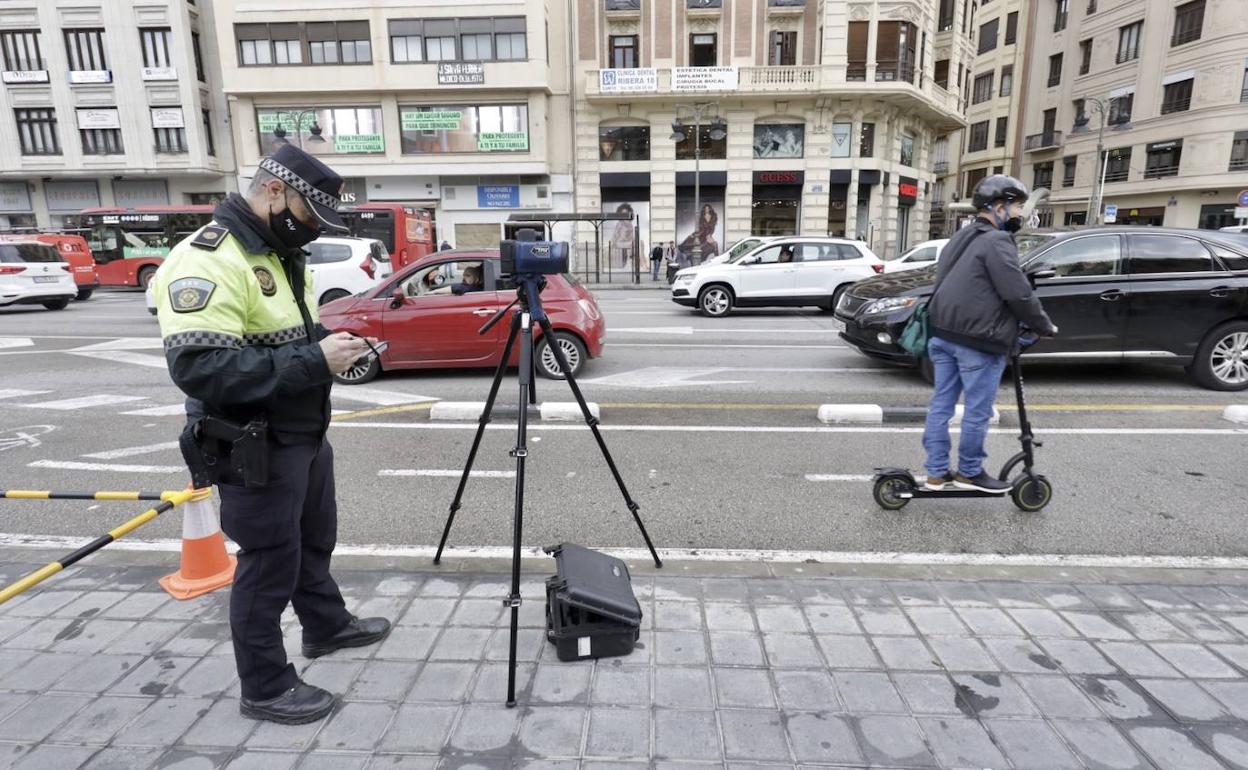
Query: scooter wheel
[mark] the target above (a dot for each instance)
(888, 492)
(1031, 495)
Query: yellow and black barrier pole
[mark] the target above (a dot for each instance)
(38, 576)
(30, 494)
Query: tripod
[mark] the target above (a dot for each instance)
(528, 297)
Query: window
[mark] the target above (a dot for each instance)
(1043, 175)
(346, 130)
(1069, 165)
(1093, 255)
(101, 141)
(1239, 152)
(440, 40)
(21, 50)
(623, 143)
(983, 88)
(781, 140)
(156, 46)
(1050, 123)
(1243, 87)
(907, 150)
(210, 143)
(170, 140)
(405, 41)
(974, 177)
(1091, 7)
(1129, 42)
(895, 51)
(946, 15)
(856, 69)
(261, 45)
(36, 129)
(354, 42)
(322, 43)
(1011, 28)
(1059, 21)
(1152, 254)
(1163, 159)
(1007, 80)
(321, 253)
(1188, 19)
(84, 48)
(783, 49)
(198, 54)
(941, 74)
(510, 40)
(476, 39)
(866, 141)
(1176, 97)
(1085, 56)
(463, 128)
(998, 169)
(978, 137)
(703, 50)
(1118, 165)
(1120, 109)
(988, 36)
(623, 51)
(1055, 69)
(1002, 130)
(711, 148)
(1081, 118)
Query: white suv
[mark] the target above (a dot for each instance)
(34, 273)
(792, 272)
(342, 266)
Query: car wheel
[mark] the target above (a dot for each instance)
(1222, 358)
(715, 301)
(836, 299)
(573, 352)
(57, 304)
(84, 294)
(360, 373)
(146, 275)
(332, 295)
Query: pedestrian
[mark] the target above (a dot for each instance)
(242, 340)
(656, 259)
(981, 298)
(444, 246)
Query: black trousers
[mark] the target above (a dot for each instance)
(286, 531)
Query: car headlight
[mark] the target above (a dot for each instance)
(589, 308)
(685, 277)
(889, 304)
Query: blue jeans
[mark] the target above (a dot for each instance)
(654, 268)
(976, 375)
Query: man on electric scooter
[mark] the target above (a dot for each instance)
(981, 298)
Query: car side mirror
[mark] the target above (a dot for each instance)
(1033, 277)
(396, 299)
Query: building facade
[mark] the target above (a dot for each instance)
(461, 110)
(716, 119)
(1166, 85)
(108, 103)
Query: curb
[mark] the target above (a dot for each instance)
(876, 414)
(551, 411)
(1237, 413)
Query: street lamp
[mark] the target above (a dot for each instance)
(1098, 185)
(279, 133)
(717, 133)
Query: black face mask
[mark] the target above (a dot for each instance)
(1013, 224)
(289, 230)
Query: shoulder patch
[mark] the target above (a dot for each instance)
(268, 286)
(188, 295)
(209, 237)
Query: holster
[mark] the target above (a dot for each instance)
(211, 445)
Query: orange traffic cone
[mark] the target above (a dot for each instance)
(205, 564)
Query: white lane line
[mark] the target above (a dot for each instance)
(378, 397)
(84, 402)
(713, 346)
(447, 473)
(722, 330)
(820, 477)
(83, 337)
(131, 451)
(15, 393)
(16, 342)
(125, 357)
(122, 343)
(110, 468)
(795, 429)
(1056, 561)
(172, 410)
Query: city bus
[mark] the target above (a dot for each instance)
(129, 244)
(406, 232)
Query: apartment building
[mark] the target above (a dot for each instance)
(1162, 86)
(715, 119)
(108, 103)
(461, 110)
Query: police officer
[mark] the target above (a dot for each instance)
(243, 341)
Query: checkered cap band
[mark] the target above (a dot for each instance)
(279, 337)
(201, 339)
(299, 185)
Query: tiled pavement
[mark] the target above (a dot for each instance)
(804, 665)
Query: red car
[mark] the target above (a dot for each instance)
(430, 312)
(74, 250)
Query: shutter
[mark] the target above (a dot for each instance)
(404, 27)
(858, 42)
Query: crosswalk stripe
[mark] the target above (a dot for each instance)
(126, 357)
(131, 451)
(84, 402)
(15, 393)
(111, 468)
(378, 397)
(447, 473)
(160, 411)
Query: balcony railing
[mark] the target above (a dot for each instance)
(1091, 7)
(694, 5)
(1055, 80)
(940, 167)
(786, 3)
(1117, 175)
(1127, 55)
(856, 73)
(1243, 95)
(887, 71)
(1158, 172)
(1177, 105)
(1047, 140)
(623, 5)
(1186, 36)
(781, 78)
(1239, 164)
(1059, 23)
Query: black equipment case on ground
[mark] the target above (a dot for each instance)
(591, 611)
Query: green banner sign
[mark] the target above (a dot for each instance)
(270, 120)
(431, 120)
(494, 142)
(359, 143)
(144, 251)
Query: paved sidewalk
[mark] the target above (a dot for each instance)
(743, 666)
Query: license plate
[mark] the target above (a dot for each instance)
(46, 279)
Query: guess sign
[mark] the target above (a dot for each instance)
(779, 177)
(907, 190)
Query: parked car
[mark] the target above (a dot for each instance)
(431, 323)
(75, 252)
(923, 255)
(1234, 229)
(342, 266)
(789, 272)
(1116, 293)
(34, 273)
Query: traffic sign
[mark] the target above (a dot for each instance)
(1111, 213)
(1241, 212)
(1243, 197)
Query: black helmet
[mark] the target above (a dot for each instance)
(998, 187)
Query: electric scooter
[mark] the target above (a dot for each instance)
(1030, 491)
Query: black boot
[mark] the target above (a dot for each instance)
(360, 632)
(299, 705)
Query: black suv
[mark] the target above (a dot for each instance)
(1116, 293)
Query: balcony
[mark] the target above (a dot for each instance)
(1048, 140)
(1176, 105)
(940, 167)
(1117, 175)
(856, 73)
(1160, 172)
(1126, 55)
(1238, 164)
(1186, 36)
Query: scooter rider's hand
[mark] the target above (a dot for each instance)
(1052, 333)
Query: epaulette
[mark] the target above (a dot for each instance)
(209, 237)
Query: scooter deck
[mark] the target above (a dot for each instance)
(920, 492)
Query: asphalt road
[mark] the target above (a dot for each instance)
(712, 424)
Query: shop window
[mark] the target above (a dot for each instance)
(623, 143)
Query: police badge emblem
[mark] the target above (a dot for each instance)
(268, 286)
(188, 295)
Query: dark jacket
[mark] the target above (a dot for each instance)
(983, 294)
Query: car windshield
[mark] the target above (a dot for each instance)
(1029, 242)
(28, 252)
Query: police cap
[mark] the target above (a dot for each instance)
(316, 182)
